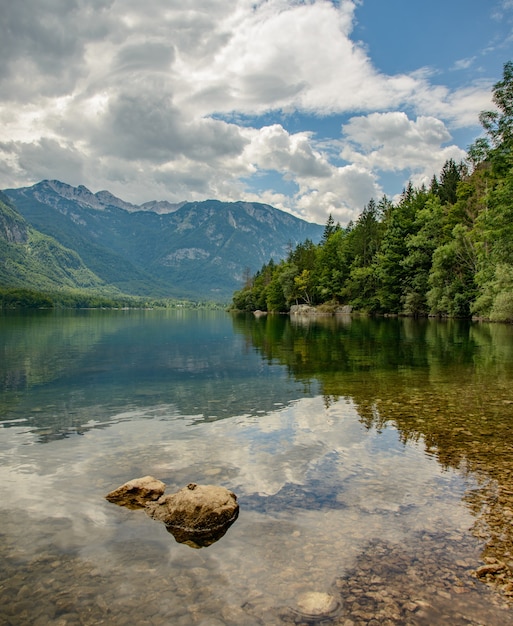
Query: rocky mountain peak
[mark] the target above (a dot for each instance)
(198, 250)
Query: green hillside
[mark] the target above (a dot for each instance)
(95, 236)
(31, 259)
(200, 251)
(36, 270)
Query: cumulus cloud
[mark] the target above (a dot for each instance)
(43, 44)
(392, 142)
(272, 147)
(343, 194)
(149, 126)
(146, 100)
(44, 156)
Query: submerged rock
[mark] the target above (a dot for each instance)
(199, 539)
(313, 607)
(197, 515)
(136, 493)
(316, 603)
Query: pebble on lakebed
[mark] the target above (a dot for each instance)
(316, 603)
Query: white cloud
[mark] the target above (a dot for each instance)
(274, 148)
(322, 187)
(45, 156)
(391, 142)
(128, 96)
(293, 55)
(343, 195)
(46, 42)
(149, 126)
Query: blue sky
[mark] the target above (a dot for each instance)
(312, 106)
(404, 36)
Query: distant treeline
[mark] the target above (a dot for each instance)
(13, 298)
(19, 298)
(444, 250)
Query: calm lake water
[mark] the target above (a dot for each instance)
(372, 460)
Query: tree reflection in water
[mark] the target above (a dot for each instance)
(446, 384)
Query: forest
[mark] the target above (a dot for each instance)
(445, 250)
(22, 298)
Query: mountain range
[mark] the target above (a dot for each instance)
(56, 235)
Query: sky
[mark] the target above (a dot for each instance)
(312, 106)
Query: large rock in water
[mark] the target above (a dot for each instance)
(197, 515)
(137, 492)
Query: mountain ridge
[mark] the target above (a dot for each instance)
(198, 250)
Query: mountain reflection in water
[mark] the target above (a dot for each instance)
(371, 459)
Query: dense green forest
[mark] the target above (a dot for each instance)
(446, 250)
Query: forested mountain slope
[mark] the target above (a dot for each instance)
(199, 250)
(32, 260)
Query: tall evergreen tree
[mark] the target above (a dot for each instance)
(398, 226)
(329, 229)
(366, 235)
(450, 176)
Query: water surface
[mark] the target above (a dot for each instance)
(371, 459)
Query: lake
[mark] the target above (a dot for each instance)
(372, 460)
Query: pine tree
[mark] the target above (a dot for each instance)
(329, 229)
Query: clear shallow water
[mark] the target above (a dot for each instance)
(371, 459)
